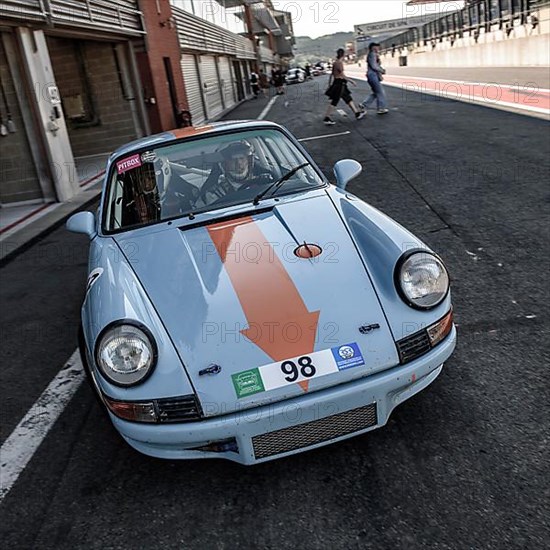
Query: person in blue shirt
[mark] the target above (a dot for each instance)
(375, 74)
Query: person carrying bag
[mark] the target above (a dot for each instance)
(338, 89)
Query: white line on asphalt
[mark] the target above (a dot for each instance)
(263, 114)
(325, 136)
(517, 107)
(477, 100)
(27, 436)
(530, 87)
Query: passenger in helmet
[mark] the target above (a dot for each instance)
(238, 169)
(144, 201)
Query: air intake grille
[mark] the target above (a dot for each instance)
(311, 433)
(178, 409)
(413, 346)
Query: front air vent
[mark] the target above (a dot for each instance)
(413, 346)
(178, 409)
(315, 432)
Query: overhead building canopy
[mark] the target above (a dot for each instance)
(262, 13)
(99, 15)
(266, 18)
(237, 3)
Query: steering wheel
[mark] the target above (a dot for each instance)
(248, 190)
(259, 181)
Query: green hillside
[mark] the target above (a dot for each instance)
(323, 48)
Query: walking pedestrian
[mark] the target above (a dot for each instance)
(278, 80)
(274, 78)
(264, 83)
(255, 84)
(183, 119)
(338, 89)
(375, 74)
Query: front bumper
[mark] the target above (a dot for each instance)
(386, 390)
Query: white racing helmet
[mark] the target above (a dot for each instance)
(163, 173)
(238, 159)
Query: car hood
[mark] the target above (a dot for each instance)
(233, 297)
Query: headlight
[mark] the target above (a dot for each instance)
(126, 354)
(421, 279)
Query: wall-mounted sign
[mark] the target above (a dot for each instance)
(394, 25)
(53, 94)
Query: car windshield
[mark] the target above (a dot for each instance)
(206, 174)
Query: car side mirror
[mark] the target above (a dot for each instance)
(82, 222)
(345, 170)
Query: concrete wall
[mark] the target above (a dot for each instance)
(523, 46)
(114, 124)
(18, 177)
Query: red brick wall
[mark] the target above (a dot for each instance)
(162, 41)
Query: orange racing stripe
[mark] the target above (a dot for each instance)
(278, 320)
(180, 133)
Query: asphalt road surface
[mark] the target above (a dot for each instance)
(462, 465)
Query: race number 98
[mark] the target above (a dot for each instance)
(304, 367)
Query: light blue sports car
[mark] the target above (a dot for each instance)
(240, 306)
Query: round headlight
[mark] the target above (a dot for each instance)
(422, 279)
(126, 354)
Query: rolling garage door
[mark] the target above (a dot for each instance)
(227, 82)
(211, 86)
(193, 87)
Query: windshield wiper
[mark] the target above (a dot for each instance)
(276, 184)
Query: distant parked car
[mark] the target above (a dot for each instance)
(319, 69)
(295, 76)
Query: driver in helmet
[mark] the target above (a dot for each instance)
(238, 161)
(238, 169)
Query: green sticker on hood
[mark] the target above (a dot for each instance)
(248, 383)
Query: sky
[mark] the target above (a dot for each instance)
(319, 17)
